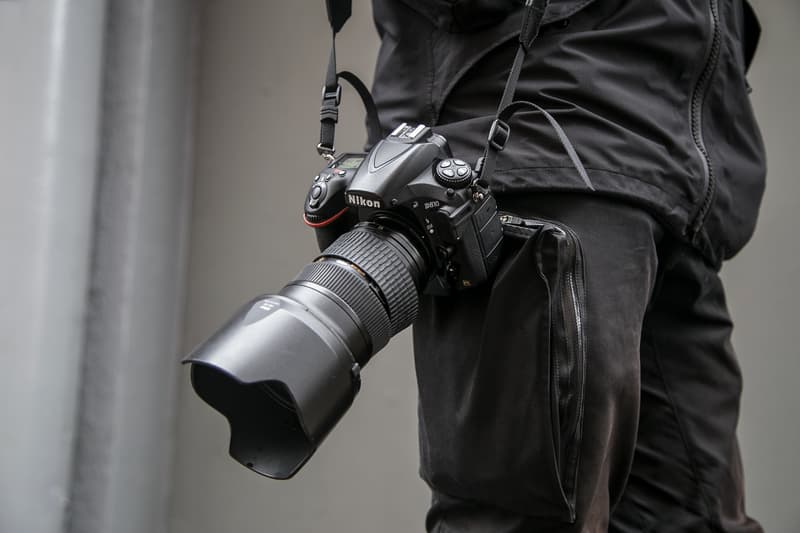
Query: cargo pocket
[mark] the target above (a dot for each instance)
(503, 426)
(559, 262)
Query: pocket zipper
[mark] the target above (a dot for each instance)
(572, 296)
(572, 307)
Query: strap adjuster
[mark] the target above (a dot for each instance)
(499, 134)
(336, 95)
(329, 112)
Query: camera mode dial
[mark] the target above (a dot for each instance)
(453, 173)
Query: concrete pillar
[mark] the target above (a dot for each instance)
(125, 437)
(95, 108)
(50, 63)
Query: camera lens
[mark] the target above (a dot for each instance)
(377, 272)
(286, 368)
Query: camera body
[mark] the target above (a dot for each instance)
(410, 183)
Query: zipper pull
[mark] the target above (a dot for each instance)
(513, 220)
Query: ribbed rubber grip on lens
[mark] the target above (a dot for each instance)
(351, 287)
(372, 253)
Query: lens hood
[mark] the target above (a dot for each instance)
(281, 377)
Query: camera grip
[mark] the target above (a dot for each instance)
(331, 229)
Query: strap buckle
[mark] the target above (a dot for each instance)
(499, 134)
(336, 95)
(330, 104)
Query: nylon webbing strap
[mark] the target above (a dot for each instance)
(374, 132)
(531, 23)
(338, 13)
(500, 130)
(331, 97)
(505, 116)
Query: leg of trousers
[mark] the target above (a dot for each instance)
(658, 449)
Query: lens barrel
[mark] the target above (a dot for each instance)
(286, 367)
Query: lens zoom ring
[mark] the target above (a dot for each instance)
(355, 291)
(371, 252)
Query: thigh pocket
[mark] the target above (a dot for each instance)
(501, 375)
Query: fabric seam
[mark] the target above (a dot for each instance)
(681, 429)
(432, 108)
(568, 167)
(499, 42)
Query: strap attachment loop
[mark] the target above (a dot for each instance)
(499, 134)
(328, 154)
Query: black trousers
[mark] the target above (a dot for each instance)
(643, 440)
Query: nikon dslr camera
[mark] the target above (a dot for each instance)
(411, 183)
(403, 219)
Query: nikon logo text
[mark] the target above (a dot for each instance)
(360, 201)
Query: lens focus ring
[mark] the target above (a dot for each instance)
(370, 250)
(351, 287)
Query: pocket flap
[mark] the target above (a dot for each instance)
(558, 10)
(470, 15)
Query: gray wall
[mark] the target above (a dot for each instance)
(261, 66)
(763, 285)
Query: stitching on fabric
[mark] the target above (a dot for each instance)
(681, 430)
(434, 114)
(499, 42)
(576, 9)
(618, 173)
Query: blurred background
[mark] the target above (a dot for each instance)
(155, 160)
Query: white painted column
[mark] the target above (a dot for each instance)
(95, 135)
(50, 63)
(126, 421)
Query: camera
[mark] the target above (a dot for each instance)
(406, 218)
(410, 183)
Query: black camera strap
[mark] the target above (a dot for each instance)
(500, 130)
(338, 13)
